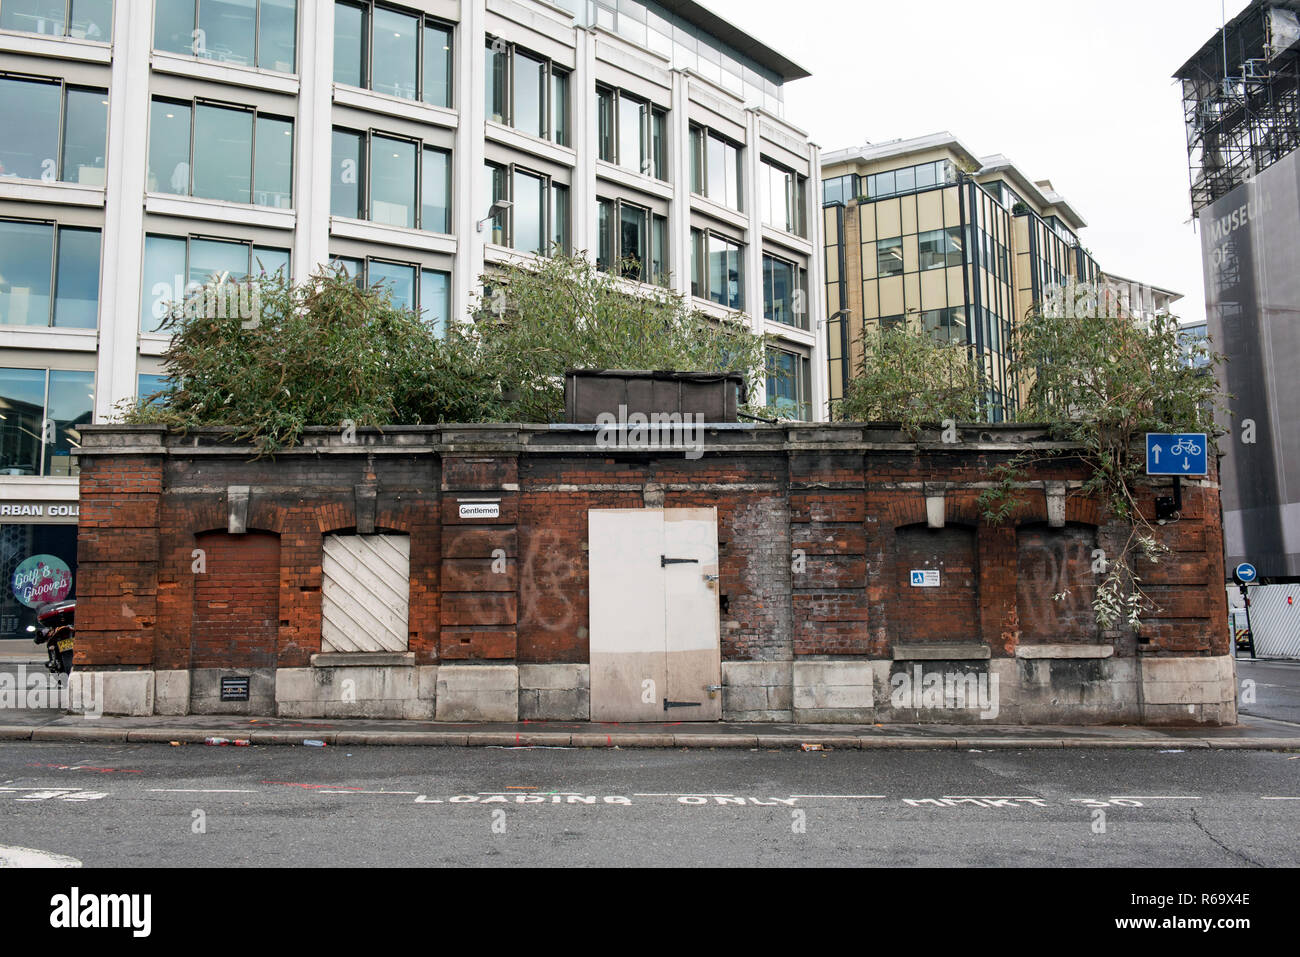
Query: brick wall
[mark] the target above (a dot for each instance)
(818, 528)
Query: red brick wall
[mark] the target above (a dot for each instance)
(946, 613)
(236, 600)
(1056, 583)
(814, 544)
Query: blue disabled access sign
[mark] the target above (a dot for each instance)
(1177, 454)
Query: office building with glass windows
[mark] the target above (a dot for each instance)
(924, 231)
(148, 144)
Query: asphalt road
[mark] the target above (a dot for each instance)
(1274, 687)
(132, 805)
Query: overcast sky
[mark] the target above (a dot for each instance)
(1079, 93)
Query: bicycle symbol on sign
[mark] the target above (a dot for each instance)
(1185, 446)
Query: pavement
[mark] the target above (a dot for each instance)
(1277, 686)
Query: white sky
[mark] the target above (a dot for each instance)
(1078, 92)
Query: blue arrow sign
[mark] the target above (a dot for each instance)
(1178, 454)
(1246, 573)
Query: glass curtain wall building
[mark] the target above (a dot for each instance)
(924, 232)
(247, 136)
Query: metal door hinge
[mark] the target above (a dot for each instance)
(665, 561)
(681, 704)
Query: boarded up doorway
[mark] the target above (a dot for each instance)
(655, 650)
(365, 592)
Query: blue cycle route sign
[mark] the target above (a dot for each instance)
(1178, 454)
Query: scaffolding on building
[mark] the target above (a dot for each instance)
(1241, 99)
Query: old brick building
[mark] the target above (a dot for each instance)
(814, 574)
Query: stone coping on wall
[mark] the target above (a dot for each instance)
(569, 438)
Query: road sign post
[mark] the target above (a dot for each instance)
(1246, 574)
(1179, 455)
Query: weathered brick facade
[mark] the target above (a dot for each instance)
(197, 559)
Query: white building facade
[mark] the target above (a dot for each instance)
(150, 143)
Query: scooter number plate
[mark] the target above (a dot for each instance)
(65, 644)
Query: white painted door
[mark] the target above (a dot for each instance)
(365, 592)
(655, 647)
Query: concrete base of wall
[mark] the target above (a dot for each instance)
(757, 691)
(478, 693)
(388, 691)
(1025, 690)
(555, 692)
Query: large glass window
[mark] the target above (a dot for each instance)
(539, 215)
(76, 279)
(840, 190)
(260, 33)
(526, 91)
(889, 257)
(496, 183)
(351, 35)
(397, 278)
(530, 94)
(635, 239)
(910, 179)
(789, 385)
(785, 292)
(217, 161)
(85, 137)
(228, 31)
(940, 247)
(726, 276)
(949, 325)
(69, 404)
(782, 194)
(150, 388)
(83, 19)
(529, 212)
(632, 147)
(395, 64)
(717, 266)
(426, 292)
(437, 64)
(41, 414)
(392, 181)
(632, 133)
(174, 266)
(395, 52)
(715, 168)
(169, 148)
(560, 217)
(49, 276)
(347, 174)
(435, 298)
(223, 138)
(273, 170)
(375, 177)
(52, 132)
(435, 191)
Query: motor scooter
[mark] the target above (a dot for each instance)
(55, 630)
